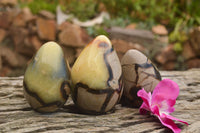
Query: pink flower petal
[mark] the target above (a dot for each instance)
(169, 123)
(164, 95)
(174, 118)
(155, 110)
(146, 97)
(144, 109)
(161, 103)
(167, 88)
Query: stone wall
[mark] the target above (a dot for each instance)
(22, 34)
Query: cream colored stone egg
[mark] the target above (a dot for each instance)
(138, 72)
(45, 79)
(96, 77)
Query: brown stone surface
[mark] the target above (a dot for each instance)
(17, 116)
(166, 54)
(2, 34)
(35, 41)
(78, 52)
(69, 54)
(18, 35)
(28, 1)
(193, 63)
(32, 28)
(22, 42)
(6, 19)
(160, 30)
(46, 29)
(0, 63)
(163, 39)
(9, 2)
(170, 65)
(188, 52)
(120, 55)
(131, 26)
(19, 20)
(123, 46)
(47, 14)
(194, 39)
(5, 71)
(23, 17)
(25, 49)
(11, 58)
(64, 26)
(74, 36)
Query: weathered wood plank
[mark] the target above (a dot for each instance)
(17, 116)
(143, 37)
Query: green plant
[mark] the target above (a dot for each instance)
(117, 21)
(83, 10)
(97, 30)
(118, 7)
(189, 11)
(38, 5)
(179, 35)
(154, 11)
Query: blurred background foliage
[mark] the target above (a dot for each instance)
(167, 12)
(177, 15)
(174, 26)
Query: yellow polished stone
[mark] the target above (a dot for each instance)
(90, 67)
(46, 73)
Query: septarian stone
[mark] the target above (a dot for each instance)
(45, 78)
(138, 72)
(96, 77)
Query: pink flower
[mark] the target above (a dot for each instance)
(161, 103)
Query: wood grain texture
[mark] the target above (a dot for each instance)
(17, 116)
(135, 36)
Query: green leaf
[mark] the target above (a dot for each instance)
(178, 47)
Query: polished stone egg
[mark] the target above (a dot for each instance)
(96, 77)
(46, 78)
(137, 72)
